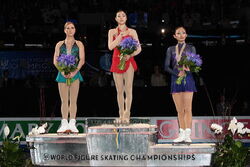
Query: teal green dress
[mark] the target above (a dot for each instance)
(74, 52)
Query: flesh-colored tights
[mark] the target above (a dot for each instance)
(183, 104)
(124, 84)
(69, 96)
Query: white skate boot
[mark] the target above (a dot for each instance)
(72, 126)
(64, 127)
(181, 137)
(187, 135)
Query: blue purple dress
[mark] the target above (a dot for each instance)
(171, 66)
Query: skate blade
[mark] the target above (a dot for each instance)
(66, 132)
(181, 143)
(73, 133)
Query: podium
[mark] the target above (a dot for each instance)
(110, 145)
(120, 145)
(181, 155)
(58, 150)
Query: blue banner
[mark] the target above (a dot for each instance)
(22, 64)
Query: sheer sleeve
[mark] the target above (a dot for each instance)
(193, 49)
(167, 63)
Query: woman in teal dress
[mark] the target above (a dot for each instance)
(69, 93)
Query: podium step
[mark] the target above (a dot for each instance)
(120, 145)
(58, 150)
(181, 155)
(109, 145)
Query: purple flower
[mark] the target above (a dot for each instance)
(127, 46)
(67, 60)
(128, 43)
(67, 64)
(191, 60)
(195, 58)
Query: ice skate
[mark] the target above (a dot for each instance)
(187, 136)
(72, 127)
(181, 138)
(64, 127)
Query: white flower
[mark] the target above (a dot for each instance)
(217, 128)
(41, 130)
(38, 130)
(34, 131)
(241, 131)
(240, 127)
(45, 125)
(233, 126)
(247, 130)
(6, 131)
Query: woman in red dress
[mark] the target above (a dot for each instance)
(123, 78)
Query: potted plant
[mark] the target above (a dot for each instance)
(11, 154)
(231, 151)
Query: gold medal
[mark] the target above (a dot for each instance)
(178, 55)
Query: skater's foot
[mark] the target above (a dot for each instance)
(181, 137)
(126, 118)
(64, 127)
(126, 121)
(187, 135)
(118, 121)
(72, 127)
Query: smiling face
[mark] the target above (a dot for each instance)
(69, 29)
(121, 17)
(180, 34)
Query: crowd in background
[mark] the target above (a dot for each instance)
(32, 21)
(40, 21)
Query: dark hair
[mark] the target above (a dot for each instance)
(121, 10)
(178, 28)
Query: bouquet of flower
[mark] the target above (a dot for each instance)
(67, 64)
(126, 47)
(231, 152)
(192, 61)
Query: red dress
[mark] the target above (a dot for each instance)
(116, 59)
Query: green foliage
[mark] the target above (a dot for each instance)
(192, 66)
(230, 153)
(66, 69)
(12, 155)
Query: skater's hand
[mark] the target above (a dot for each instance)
(127, 57)
(65, 76)
(72, 74)
(181, 73)
(185, 68)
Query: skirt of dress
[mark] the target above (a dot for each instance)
(187, 84)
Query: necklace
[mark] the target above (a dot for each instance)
(178, 55)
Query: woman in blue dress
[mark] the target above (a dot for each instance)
(69, 93)
(182, 94)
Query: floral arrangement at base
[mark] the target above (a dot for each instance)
(11, 154)
(231, 152)
(39, 130)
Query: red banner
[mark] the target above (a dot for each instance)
(201, 128)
